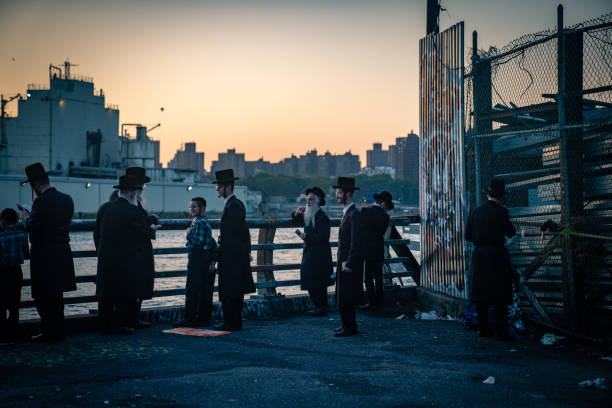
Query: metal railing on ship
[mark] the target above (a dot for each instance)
(266, 282)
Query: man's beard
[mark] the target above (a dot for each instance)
(309, 215)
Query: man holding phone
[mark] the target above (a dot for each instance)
(316, 267)
(51, 265)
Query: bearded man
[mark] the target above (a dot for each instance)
(316, 267)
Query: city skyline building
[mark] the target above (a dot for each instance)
(188, 158)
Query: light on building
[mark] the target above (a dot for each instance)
(189, 188)
(88, 184)
(61, 103)
(29, 95)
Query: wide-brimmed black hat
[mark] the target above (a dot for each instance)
(346, 184)
(139, 173)
(318, 192)
(128, 182)
(497, 187)
(224, 176)
(385, 197)
(34, 172)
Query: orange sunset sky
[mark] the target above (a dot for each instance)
(268, 78)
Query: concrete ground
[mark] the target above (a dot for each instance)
(296, 362)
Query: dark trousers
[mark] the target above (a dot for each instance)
(347, 315)
(51, 311)
(10, 296)
(199, 287)
(318, 296)
(500, 311)
(232, 311)
(374, 282)
(117, 313)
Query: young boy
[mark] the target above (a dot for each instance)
(13, 250)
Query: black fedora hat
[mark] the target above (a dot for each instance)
(139, 173)
(386, 197)
(497, 187)
(318, 192)
(128, 182)
(224, 176)
(34, 172)
(346, 184)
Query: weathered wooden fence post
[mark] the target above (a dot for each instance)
(266, 257)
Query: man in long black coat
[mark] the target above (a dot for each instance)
(51, 265)
(491, 280)
(122, 232)
(234, 262)
(146, 286)
(317, 267)
(375, 221)
(349, 275)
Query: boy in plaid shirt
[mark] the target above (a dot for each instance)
(13, 250)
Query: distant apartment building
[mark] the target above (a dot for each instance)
(230, 160)
(405, 157)
(188, 159)
(377, 157)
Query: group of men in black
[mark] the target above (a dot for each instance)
(125, 277)
(360, 245)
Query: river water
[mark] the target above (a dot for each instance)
(169, 239)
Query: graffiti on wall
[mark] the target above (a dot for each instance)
(443, 265)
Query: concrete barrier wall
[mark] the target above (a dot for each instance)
(89, 194)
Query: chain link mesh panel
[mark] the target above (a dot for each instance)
(539, 115)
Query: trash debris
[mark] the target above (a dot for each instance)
(549, 339)
(598, 383)
(78, 396)
(402, 316)
(106, 402)
(513, 351)
(606, 358)
(489, 380)
(432, 315)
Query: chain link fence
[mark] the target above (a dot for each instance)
(539, 115)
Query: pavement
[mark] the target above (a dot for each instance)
(296, 362)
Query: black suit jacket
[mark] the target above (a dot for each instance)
(234, 263)
(122, 231)
(349, 285)
(375, 223)
(491, 279)
(51, 265)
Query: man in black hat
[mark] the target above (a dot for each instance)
(146, 287)
(317, 266)
(491, 280)
(122, 235)
(234, 262)
(51, 265)
(349, 275)
(376, 221)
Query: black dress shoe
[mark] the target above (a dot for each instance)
(227, 327)
(505, 337)
(43, 338)
(317, 312)
(485, 333)
(346, 333)
(338, 329)
(123, 330)
(203, 323)
(143, 325)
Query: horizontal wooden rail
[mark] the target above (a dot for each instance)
(262, 267)
(180, 224)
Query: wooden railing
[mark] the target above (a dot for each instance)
(266, 281)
